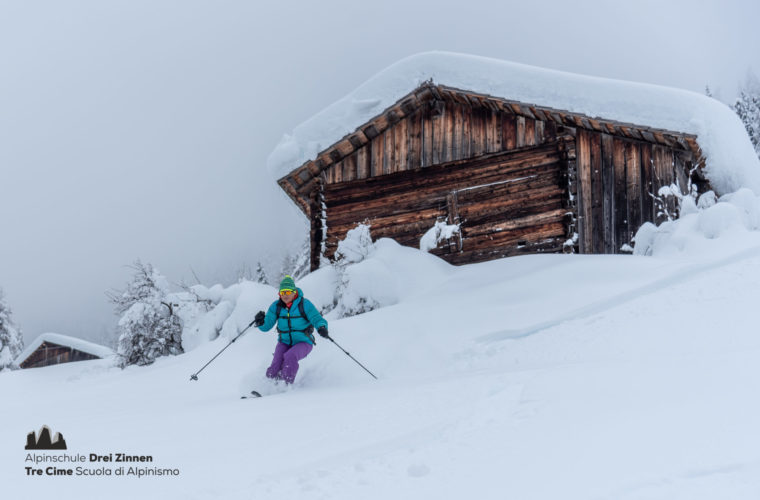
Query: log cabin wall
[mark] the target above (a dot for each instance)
(501, 176)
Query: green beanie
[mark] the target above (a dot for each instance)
(287, 283)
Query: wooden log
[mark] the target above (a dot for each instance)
(449, 137)
(530, 132)
(388, 151)
(415, 141)
(427, 137)
(532, 233)
(521, 188)
(553, 245)
(362, 163)
(400, 202)
(505, 165)
(647, 189)
(621, 194)
(465, 147)
(669, 166)
(633, 172)
(376, 157)
(542, 216)
(520, 131)
(681, 173)
(456, 132)
(337, 172)
(477, 132)
(316, 232)
(400, 145)
(509, 129)
(608, 194)
(540, 132)
(437, 126)
(495, 215)
(493, 132)
(583, 165)
(597, 194)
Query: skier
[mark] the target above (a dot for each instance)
(296, 319)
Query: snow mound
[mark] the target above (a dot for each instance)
(731, 162)
(371, 275)
(705, 227)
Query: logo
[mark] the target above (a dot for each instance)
(43, 440)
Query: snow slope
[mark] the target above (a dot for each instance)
(537, 377)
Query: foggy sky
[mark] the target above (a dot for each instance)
(140, 129)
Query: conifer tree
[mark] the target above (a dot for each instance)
(747, 106)
(11, 341)
(149, 326)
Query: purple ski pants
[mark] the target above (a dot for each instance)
(285, 360)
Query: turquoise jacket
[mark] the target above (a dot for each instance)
(292, 327)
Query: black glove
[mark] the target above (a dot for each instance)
(322, 330)
(259, 319)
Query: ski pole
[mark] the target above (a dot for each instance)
(194, 376)
(347, 354)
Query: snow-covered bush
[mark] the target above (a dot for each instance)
(436, 234)
(149, 326)
(371, 275)
(701, 221)
(227, 310)
(11, 341)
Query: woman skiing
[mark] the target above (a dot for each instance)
(296, 318)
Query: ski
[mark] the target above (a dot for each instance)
(252, 395)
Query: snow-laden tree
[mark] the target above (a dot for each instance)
(747, 106)
(149, 326)
(11, 341)
(298, 263)
(353, 295)
(261, 275)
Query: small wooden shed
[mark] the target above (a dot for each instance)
(52, 349)
(517, 177)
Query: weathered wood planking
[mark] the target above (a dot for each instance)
(502, 200)
(441, 133)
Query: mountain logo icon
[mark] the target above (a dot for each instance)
(43, 440)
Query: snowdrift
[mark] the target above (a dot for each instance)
(545, 376)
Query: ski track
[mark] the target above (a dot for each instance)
(683, 275)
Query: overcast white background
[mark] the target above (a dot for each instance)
(140, 129)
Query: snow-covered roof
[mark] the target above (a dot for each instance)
(64, 340)
(730, 160)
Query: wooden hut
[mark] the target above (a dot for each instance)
(517, 177)
(52, 349)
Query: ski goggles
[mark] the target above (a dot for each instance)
(287, 292)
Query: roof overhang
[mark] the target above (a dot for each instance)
(300, 182)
